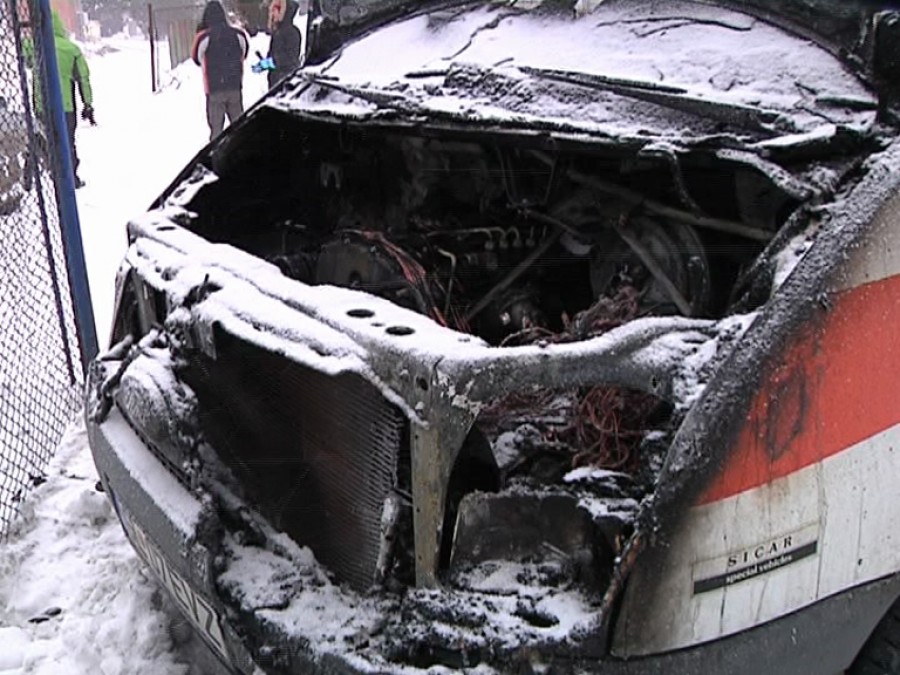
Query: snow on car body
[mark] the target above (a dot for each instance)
(558, 337)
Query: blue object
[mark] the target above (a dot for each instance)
(263, 65)
(68, 208)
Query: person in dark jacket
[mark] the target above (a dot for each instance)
(220, 49)
(285, 43)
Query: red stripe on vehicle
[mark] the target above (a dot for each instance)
(837, 385)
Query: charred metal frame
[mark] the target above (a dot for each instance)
(443, 391)
(444, 380)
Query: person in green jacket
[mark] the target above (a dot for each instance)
(73, 71)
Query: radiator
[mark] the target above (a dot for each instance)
(316, 453)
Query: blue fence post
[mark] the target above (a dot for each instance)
(68, 207)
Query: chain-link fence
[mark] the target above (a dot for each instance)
(41, 363)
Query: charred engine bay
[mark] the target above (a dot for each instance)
(496, 235)
(503, 236)
(499, 236)
(490, 236)
(509, 238)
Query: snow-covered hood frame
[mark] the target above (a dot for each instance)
(841, 27)
(687, 73)
(627, 76)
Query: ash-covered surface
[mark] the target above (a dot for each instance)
(684, 71)
(294, 613)
(493, 614)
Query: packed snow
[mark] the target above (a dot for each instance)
(74, 597)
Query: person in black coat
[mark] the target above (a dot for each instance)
(285, 43)
(220, 49)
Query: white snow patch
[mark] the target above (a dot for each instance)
(624, 508)
(821, 133)
(15, 643)
(591, 473)
(790, 256)
(69, 566)
(696, 366)
(293, 591)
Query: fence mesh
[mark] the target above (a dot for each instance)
(41, 374)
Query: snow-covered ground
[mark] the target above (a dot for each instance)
(74, 598)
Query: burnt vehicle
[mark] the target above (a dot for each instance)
(528, 337)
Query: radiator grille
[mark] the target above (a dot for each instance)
(317, 453)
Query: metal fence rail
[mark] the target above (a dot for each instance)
(42, 344)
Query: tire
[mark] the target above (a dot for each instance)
(880, 655)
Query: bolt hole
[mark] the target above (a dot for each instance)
(536, 618)
(399, 330)
(360, 313)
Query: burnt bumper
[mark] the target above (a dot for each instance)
(169, 528)
(257, 598)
